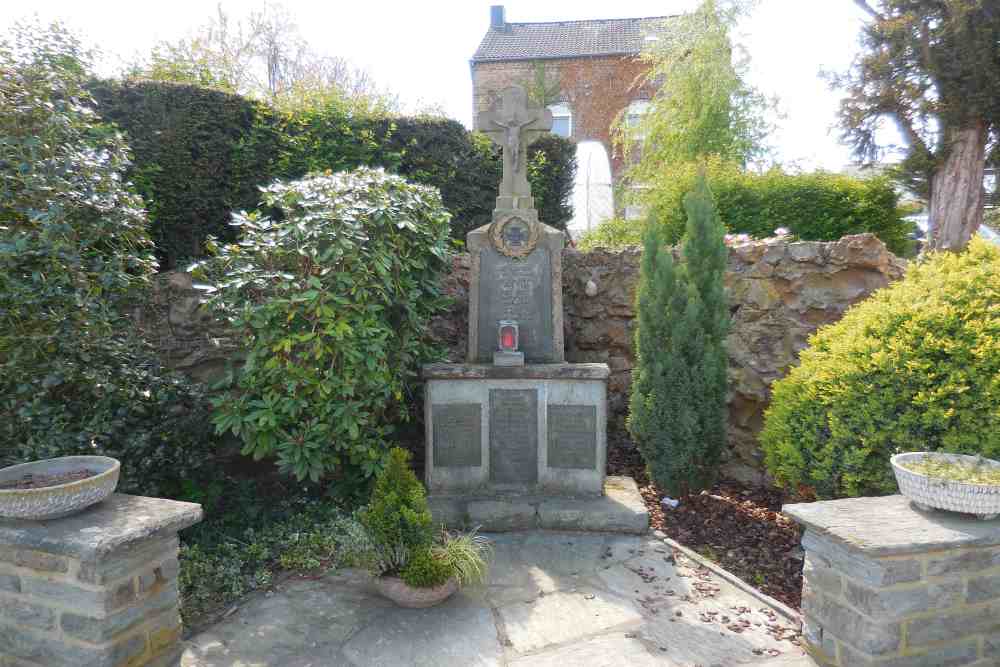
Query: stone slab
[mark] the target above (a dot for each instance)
(502, 515)
(563, 617)
(513, 436)
(546, 602)
(620, 510)
(527, 372)
(521, 290)
(572, 436)
(891, 525)
(119, 521)
(457, 434)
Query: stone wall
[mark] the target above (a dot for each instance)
(887, 584)
(780, 292)
(98, 588)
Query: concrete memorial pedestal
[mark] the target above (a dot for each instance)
(98, 588)
(518, 423)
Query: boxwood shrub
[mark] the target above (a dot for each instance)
(916, 367)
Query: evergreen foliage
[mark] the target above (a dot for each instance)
(813, 207)
(74, 251)
(931, 67)
(201, 154)
(332, 287)
(915, 367)
(678, 405)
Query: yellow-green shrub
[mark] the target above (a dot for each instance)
(916, 367)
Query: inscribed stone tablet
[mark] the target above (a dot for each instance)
(514, 436)
(516, 289)
(457, 434)
(572, 436)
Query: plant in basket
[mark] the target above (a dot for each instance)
(414, 564)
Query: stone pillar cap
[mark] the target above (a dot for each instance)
(891, 526)
(119, 521)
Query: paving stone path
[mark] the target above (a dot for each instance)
(553, 599)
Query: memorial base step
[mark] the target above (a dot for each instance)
(620, 510)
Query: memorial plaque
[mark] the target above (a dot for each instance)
(572, 436)
(514, 436)
(457, 434)
(516, 289)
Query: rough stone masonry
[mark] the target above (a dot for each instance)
(96, 589)
(780, 293)
(886, 584)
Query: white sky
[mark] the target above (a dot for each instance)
(420, 49)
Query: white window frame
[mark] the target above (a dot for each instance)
(562, 110)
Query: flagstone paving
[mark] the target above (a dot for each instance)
(553, 599)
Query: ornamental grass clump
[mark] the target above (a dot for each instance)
(916, 367)
(402, 539)
(332, 286)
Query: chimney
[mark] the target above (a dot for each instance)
(498, 18)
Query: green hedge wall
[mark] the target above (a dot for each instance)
(817, 206)
(201, 154)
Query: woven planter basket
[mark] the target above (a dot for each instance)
(411, 597)
(983, 500)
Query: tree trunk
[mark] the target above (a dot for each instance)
(956, 208)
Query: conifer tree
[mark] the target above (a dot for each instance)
(678, 407)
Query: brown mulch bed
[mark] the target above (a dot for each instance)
(737, 525)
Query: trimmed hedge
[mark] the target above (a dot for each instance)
(202, 154)
(916, 367)
(817, 206)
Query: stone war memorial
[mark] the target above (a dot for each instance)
(516, 437)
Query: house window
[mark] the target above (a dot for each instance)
(633, 115)
(562, 120)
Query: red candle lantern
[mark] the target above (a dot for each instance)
(508, 336)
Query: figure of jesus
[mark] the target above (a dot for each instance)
(512, 137)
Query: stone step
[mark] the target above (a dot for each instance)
(620, 510)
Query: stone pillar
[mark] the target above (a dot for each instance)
(95, 589)
(887, 584)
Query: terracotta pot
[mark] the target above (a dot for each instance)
(411, 597)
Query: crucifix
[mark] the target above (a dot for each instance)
(514, 124)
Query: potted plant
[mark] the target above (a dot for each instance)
(955, 482)
(415, 565)
(55, 488)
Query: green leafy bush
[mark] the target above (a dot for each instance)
(249, 535)
(678, 406)
(201, 154)
(426, 569)
(332, 293)
(916, 367)
(74, 249)
(397, 518)
(401, 538)
(814, 207)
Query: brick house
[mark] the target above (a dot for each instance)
(589, 71)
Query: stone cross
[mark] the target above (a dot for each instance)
(514, 124)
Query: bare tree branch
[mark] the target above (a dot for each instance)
(868, 9)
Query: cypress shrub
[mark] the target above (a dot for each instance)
(916, 367)
(678, 404)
